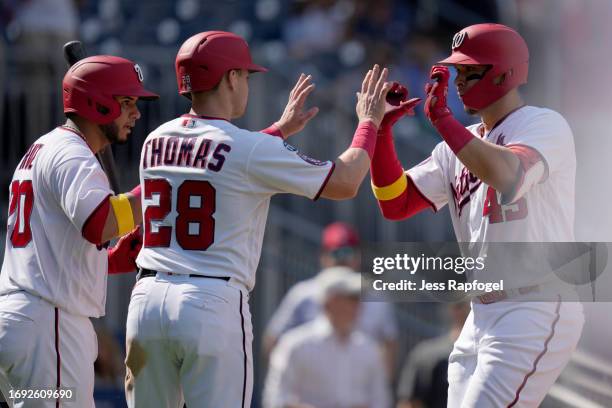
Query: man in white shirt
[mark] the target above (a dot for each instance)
(326, 363)
(339, 250)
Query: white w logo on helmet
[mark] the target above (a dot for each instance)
(458, 39)
(139, 72)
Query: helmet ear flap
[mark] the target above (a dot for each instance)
(97, 108)
(501, 79)
(107, 108)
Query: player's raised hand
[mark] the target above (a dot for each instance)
(435, 104)
(371, 99)
(397, 105)
(294, 117)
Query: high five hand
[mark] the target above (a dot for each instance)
(294, 117)
(371, 99)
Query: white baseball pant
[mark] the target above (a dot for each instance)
(509, 354)
(43, 347)
(189, 340)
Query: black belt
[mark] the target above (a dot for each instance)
(145, 273)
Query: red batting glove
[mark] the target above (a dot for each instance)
(397, 107)
(435, 104)
(452, 131)
(122, 257)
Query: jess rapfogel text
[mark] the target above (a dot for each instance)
(450, 285)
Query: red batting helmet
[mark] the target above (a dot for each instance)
(90, 85)
(498, 46)
(204, 58)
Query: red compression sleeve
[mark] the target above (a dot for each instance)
(365, 137)
(385, 167)
(94, 226)
(273, 130)
(409, 203)
(385, 170)
(453, 132)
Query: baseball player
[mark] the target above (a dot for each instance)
(207, 186)
(509, 178)
(61, 212)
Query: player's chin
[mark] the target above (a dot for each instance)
(124, 135)
(239, 113)
(468, 110)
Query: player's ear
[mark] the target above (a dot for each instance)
(232, 78)
(502, 78)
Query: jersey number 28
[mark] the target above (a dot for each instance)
(194, 223)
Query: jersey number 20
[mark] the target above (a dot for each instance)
(22, 201)
(194, 223)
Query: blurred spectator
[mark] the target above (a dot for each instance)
(41, 28)
(382, 21)
(358, 59)
(314, 27)
(452, 15)
(326, 363)
(423, 382)
(2, 77)
(301, 304)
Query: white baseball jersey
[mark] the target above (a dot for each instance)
(541, 208)
(207, 186)
(56, 187)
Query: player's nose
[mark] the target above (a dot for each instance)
(459, 80)
(460, 83)
(135, 112)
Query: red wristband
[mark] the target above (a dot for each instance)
(365, 137)
(273, 130)
(453, 132)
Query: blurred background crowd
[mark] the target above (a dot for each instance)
(335, 41)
